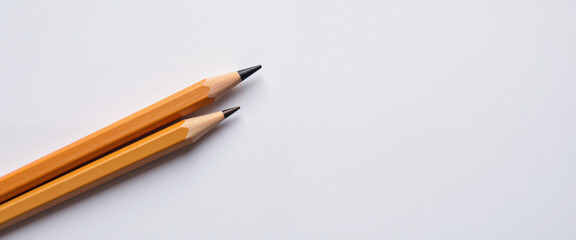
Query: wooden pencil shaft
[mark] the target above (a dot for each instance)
(106, 168)
(86, 149)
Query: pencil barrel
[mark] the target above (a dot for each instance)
(93, 174)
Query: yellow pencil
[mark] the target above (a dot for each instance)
(108, 167)
(119, 133)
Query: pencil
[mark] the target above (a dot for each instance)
(119, 133)
(108, 167)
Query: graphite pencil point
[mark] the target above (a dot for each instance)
(229, 111)
(245, 73)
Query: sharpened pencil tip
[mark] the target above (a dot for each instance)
(229, 111)
(245, 73)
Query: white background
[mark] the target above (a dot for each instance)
(369, 119)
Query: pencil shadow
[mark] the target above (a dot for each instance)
(170, 158)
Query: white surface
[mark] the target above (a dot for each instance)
(369, 120)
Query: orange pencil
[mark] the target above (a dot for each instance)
(115, 135)
(108, 167)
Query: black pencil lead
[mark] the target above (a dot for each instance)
(229, 111)
(245, 73)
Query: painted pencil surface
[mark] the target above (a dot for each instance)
(119, 133)
(108, 167)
